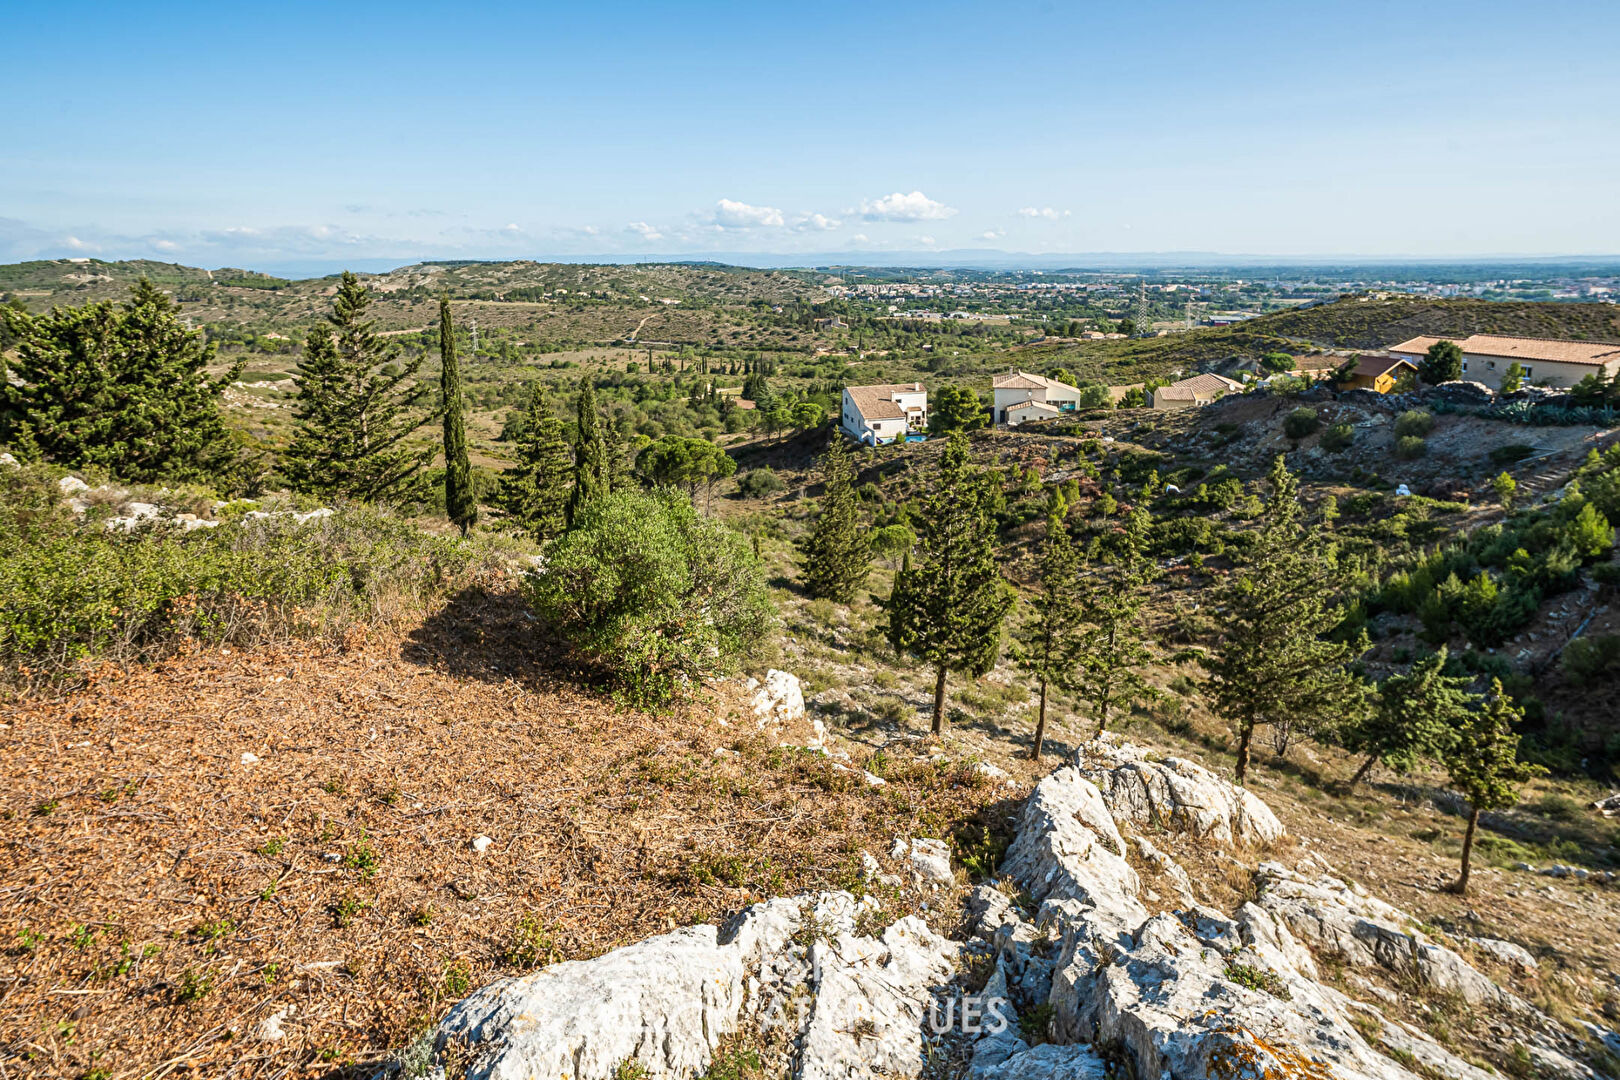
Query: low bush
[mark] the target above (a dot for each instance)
(1590, 659)
(71, 589)
(1301, 422)
(1409, 447)
(657, 597)
(1414, 422)
(760, 483)
(1338, 438)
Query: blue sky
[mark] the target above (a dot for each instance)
(272, 135)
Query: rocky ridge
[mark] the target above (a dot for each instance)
(1061, 970)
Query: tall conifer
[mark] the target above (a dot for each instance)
(592, 469)
(1485, 768)
(357, 404)
(460, 505)
(1417, 716)
(122, 386)
(1273, 663)
(838, 552)
(1048, 642)
(536, 492)
(948, 610)
(1111, 647)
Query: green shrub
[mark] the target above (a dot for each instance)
(1301, 422)
(658, 597)
(71, 590)
(1414, 422)
(1409, 447)
(1338, 438)
(1589, 659)
(760, 483)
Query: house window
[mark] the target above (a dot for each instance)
(1528, 372)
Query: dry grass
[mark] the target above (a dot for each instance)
(162, 895)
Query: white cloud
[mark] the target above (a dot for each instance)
(1046, 212)
(992, 234)
(901, 207)
(589, 230)
(165, 245)
(861, 238)
(730, 214)
(815, 223)
(927, 241)
(647, 232)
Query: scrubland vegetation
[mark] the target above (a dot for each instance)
(613, 532)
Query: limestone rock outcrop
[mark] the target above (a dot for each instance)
(1064, 971)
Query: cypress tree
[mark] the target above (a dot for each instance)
(356, 407)
(1273, 663)
(536, 492)
(1484, 764)
(948, 611)
(460, 505)
(1110, 646)
(120, 386)
(592, 478)
(1048, 642)
(838, 552)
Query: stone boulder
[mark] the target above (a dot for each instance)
(1147, 789)
(1340, 919)
(852, 1004)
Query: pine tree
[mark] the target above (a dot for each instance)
(1111, 647)
(1273, 663)
(1484, 764)
(838, 552)
(1049, 640)
(356, 407)
(948, 611)
(460, 505)
(592, 478)
(120, 386)
(536, 492)
(1416, 716)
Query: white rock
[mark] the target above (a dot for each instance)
(870, 867)
(1173, 793)
(1048, 1061)
(481, 844)
(779, 701)
(1507, 952)
(930, 862)
(9, 461)
(249, 758)
(853, 1005)
(1329, 915)
(72, 485)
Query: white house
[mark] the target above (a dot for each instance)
(882, 414)
(1542, 361)
(1016, 390)
(1192, 392)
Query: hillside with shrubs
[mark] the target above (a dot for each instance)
(323, 723)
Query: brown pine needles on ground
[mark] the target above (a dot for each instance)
(196, 847)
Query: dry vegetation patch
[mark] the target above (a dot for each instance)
(194, 848)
